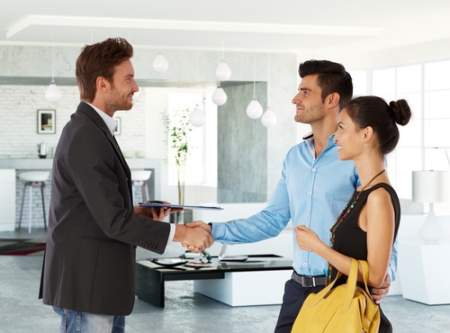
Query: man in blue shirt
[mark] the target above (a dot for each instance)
(313, 190)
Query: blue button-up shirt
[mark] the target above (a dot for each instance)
(313, 192)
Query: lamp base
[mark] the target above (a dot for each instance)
(432, 232)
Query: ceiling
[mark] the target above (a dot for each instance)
(244, 25)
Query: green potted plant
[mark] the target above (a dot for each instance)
(179, 126)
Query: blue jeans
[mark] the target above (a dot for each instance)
(83, 322)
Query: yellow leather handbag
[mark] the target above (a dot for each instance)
(343, 309)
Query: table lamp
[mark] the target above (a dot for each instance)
(431, 186)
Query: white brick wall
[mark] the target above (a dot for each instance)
(18, 116)
(19, 137)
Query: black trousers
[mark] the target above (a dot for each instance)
(293, 298)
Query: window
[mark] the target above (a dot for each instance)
(425, 140)
(437, 120)
(403, 83)
(359, 79)
(436, 75)
(384, 83)
(201, 163)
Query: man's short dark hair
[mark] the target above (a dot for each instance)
(99, 59)
(332, 77)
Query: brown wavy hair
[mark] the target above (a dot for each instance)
(99, 59)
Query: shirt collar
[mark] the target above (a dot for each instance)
(309, 139)
(110, 122)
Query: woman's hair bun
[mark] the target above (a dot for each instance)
(400, 111)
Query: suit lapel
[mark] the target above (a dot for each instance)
(88, 111)
(112, 139)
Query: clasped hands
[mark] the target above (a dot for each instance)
(195, 236)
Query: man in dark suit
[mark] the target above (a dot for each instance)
(88, 273)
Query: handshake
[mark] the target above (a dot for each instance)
(195, 236)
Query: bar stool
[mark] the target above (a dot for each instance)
(139, 179)
(33, 179)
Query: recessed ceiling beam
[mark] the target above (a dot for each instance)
(183, 25)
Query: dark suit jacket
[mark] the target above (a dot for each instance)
(92, 236)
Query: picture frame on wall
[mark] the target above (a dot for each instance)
(46, 121)
(118, 127)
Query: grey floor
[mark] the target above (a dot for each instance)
(21, 311)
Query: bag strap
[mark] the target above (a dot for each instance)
(364, 267)
(350, 286)
(325, 291)
(351, 283)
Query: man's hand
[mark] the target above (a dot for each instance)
(200, 224)
(194, 238)
(379, 293)
(156, 213)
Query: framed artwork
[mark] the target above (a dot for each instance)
(46, 121)
(118, 127)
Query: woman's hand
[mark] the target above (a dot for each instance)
(307, 239)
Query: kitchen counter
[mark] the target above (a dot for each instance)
(7, 201)
(46, 164)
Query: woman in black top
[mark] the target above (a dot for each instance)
(367, 228)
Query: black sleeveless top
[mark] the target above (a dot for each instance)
(351, 240)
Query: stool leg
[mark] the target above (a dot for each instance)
(147, 195)
(30, 209)
(133, 189)
(43, 205)
(22, 204)
(143, 197)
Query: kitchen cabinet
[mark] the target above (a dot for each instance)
(7, 199)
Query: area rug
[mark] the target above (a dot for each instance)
(20, 247)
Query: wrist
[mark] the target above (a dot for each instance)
(320, 248)
(180, 233)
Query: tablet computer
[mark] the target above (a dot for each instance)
(160, 204)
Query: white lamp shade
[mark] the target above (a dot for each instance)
(197, 117)
(269, 118)
(254, 109)
(223, 71)
(160, 64)
(219, 97)
(53, 93)
(431, 186)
